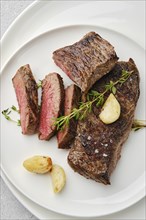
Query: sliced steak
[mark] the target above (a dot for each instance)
(97, 147)
(72, 99)
(27, 97)
(52, 104)
(86, 61)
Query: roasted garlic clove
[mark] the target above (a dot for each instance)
(58, 178)
(38, 164)
(111, 110)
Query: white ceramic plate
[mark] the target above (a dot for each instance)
(80, 197)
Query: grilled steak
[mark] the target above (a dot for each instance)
(87, 60)
(52, 104)
(97, 147)
(72, 98)
(27, 97)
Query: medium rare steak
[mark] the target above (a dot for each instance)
(52, 104)
(27, 97)
(86, 61)
(97, 147)
(72, 99)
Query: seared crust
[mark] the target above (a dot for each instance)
(97, 147)
(86, 61)
(27, 97)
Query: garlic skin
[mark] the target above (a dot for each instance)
(111, 110)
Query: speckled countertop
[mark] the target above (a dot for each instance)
(11, 208)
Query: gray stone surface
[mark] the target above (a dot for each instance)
(11, 207)
(10, 10)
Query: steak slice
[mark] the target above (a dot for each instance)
(86, 61)
(72, 99)
(97, 147)
(52, 104)
(27, 97)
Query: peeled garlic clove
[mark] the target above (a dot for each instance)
(38, 164)
(58, 178)
(110, 111)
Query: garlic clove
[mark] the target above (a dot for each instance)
(111, 110)
(38, 164)
(58, 178)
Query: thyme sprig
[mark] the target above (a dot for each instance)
(138, 124)
(7, 113)
(92, 97)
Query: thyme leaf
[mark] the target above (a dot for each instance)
(114, 90)
(109, 86)
(18, 123)
(39, 84)
(15, 109)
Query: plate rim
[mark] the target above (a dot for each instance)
(61, 27)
